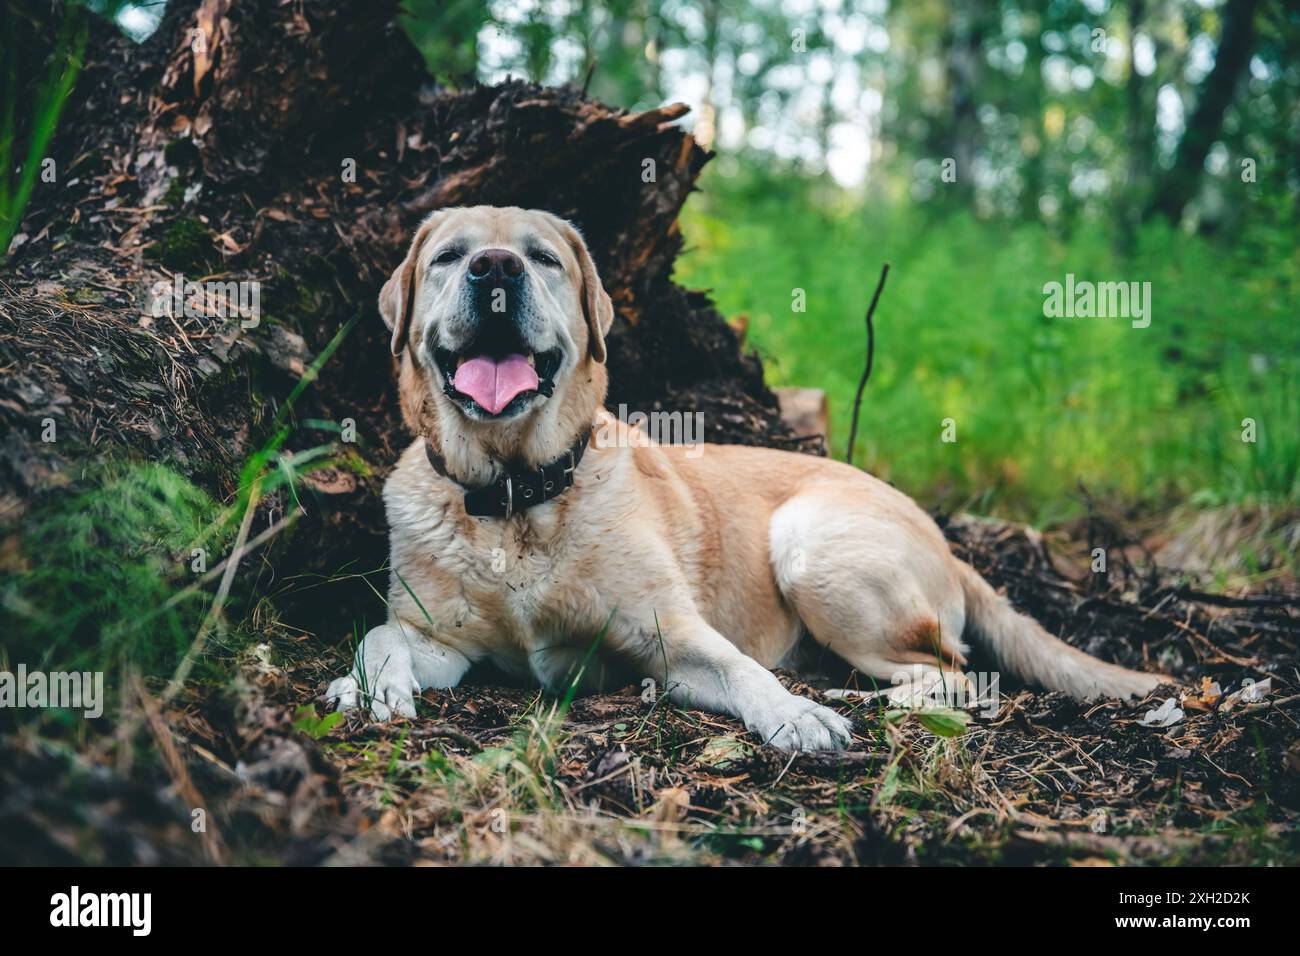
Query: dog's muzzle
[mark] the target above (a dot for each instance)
(498, 373)
(496, 281)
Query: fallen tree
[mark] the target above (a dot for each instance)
(298, 148)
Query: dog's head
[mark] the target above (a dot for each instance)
(502, 321)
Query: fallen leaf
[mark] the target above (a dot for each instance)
(671, 804)
(1166, 715)
(724, 750)
(945, 723)
(1250, 692)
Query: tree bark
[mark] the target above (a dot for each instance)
(964, 40)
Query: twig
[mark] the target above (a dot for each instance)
(213, 845)
(449, 733)
(1265, 704)
(249, 548)
(621, 768)
(871, 355)
(128, 728)
(1226, 600)
(223, 591)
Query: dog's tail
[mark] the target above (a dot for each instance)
(1020, 645)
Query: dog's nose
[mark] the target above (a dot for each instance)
(495, 265)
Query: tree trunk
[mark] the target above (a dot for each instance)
(1140, 125)
(1178, 186)
(967, 26)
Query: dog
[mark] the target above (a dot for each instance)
(520, 536)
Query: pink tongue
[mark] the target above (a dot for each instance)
(493, 384)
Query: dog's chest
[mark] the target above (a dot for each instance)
(505, 584)
(514, 571)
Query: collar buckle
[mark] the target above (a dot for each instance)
(510, 497)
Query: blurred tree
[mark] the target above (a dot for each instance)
(1132, 197)
(969, 24)
(446, 34)
(612, 37)
(1179, 184)
(537, 34)
(1052, 110)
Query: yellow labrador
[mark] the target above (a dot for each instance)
(526, 521)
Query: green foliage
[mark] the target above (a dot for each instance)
(40, 61)
(96, 570)
(45, 87)
(942, 722)
(1040, 404)
(107, 576)
(315, 727)
(446, 34)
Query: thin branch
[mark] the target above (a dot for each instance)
(871, 355)
(249, 548)
(213, 845)
(218, 603)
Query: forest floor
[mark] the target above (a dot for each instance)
(489, 773)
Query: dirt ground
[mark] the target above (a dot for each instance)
(490, 773)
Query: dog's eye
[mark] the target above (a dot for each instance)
(544, 258)
(448, 255)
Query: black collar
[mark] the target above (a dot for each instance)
(519, 488)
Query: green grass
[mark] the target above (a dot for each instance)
(105, 578)
(30, 106)
(95, 566)
(1152, 415)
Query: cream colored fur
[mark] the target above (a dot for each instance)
(702, 569)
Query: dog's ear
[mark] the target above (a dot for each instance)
(596, 303)
(397, 297)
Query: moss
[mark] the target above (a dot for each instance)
(310, 305)
(301, 303)
(97, 560)
(186, 246)
(87, 296)
(175, 194)
(183, 155)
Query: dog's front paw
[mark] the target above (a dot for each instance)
(384, 695)
(798, 724)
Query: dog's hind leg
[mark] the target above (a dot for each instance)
(876, 592)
